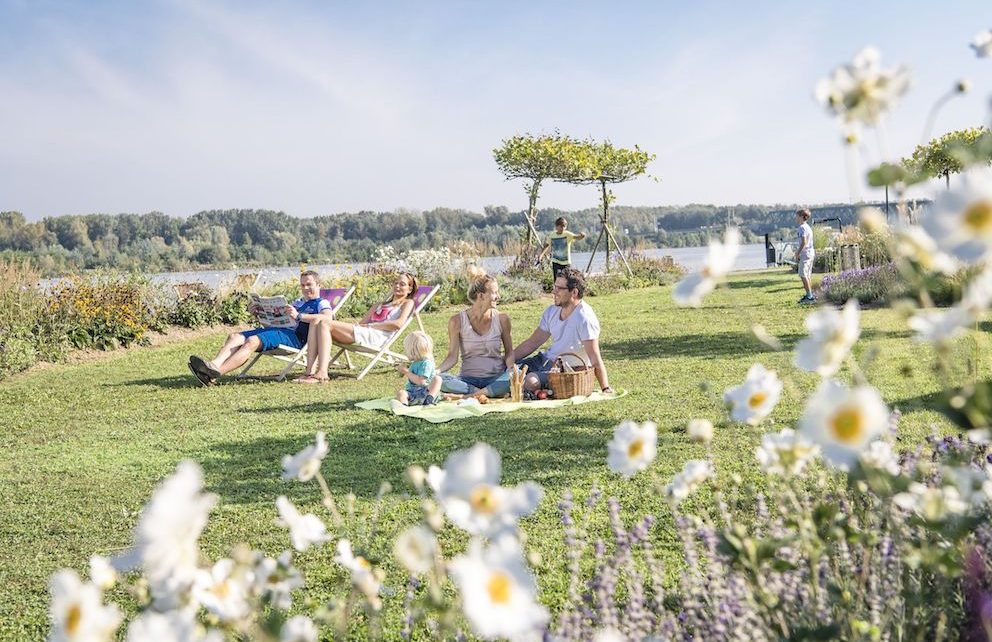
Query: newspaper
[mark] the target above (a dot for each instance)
(271, 311)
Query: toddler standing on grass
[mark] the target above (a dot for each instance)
(423, 384)
(804, 254)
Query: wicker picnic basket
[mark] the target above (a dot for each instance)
(568, 381)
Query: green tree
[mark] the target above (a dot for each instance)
(603, 164)
(536, 159)
(951, 153)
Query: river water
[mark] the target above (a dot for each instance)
(751, 257)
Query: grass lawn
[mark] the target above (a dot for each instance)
(82, 446)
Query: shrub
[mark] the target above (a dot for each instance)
(196, 309)
(103, 312)
(878, 284)
(233, 309)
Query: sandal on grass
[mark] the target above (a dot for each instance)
(204, 380)
(200, 365)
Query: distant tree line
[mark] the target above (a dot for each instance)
(218, 238)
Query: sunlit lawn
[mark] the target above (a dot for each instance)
(84, 445)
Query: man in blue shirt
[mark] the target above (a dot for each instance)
(240, 345)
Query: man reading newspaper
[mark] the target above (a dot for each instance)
(282, 324)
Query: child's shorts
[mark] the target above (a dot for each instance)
(416, 395)
(806, 268)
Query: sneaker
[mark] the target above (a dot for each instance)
(804, 299)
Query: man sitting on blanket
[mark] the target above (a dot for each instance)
(572, 326)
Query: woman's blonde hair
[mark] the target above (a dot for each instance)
(418, 345)
(478, 281)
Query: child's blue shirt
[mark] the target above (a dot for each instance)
(423, 368)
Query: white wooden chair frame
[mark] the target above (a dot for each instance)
(384, 354)
(293, 356)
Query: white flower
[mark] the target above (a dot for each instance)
(223, 590)
(609, 635)
(166, 539)
(693, 474)
(932, 504)
(913, 243)
(785, 453)
(843, 421)
(363, 576)
(499, 594)
(700, 430)
(832, 333)
(632, 448)
(77, 611)
(298, 629)
(960, 220)
(306, 463)
(973, 485)
(880, 456)
(982, 44)
(468, 489)
(416, 548)
(719, 260)
(101, 572)
(173, 626)
(276, 579)
(861, 91)
(754, 399)
(939, 326)
(304, 530)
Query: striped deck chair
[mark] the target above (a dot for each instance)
(298, 357)
(384, 355)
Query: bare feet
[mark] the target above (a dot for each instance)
(310, 379)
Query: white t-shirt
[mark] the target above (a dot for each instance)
(568, 335)
(805, 232)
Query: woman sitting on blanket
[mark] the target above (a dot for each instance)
(375, 328)
(306, 311)
(480, 337)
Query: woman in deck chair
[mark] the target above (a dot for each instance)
(375, 328)
(239, 346)
(480, 338)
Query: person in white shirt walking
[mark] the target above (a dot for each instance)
(805, 254)
(572, 326)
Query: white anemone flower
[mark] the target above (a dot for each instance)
(305, 464)
(276, 579)
(468, 489)
(960, 220)
(172, 626)
(304, 530)
(363, 576)
(861, 91)
(939, 326)
(982, 44)
(718, 262)
(102, 573)
(632, 448)
(880, 456)
(932, 504)
(77, 611)
(166, 539)
(973, 484)
(416, 549)
(299, 628)
(754, 399)
(832, 333)
(223, 590)
(694, 473)
(785, 453)
(498, 591)
(700, 430)
(913, 243)
(843, 421)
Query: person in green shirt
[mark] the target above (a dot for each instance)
(560, 246)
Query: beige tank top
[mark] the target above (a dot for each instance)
(482, 355)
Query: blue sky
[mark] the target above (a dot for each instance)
(319, 107)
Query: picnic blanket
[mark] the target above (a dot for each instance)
(450, 410)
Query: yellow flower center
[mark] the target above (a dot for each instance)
(635, 448)
(483, 499)
(978, 216)
(72, 619)
(222, 589)
(499, 588)
(847, 425)
(757, 399)
(364, 563)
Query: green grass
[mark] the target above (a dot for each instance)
(84, 445)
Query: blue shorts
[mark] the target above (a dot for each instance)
(496, 386)
(273, 337)
(415, 395)
(538, 365)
